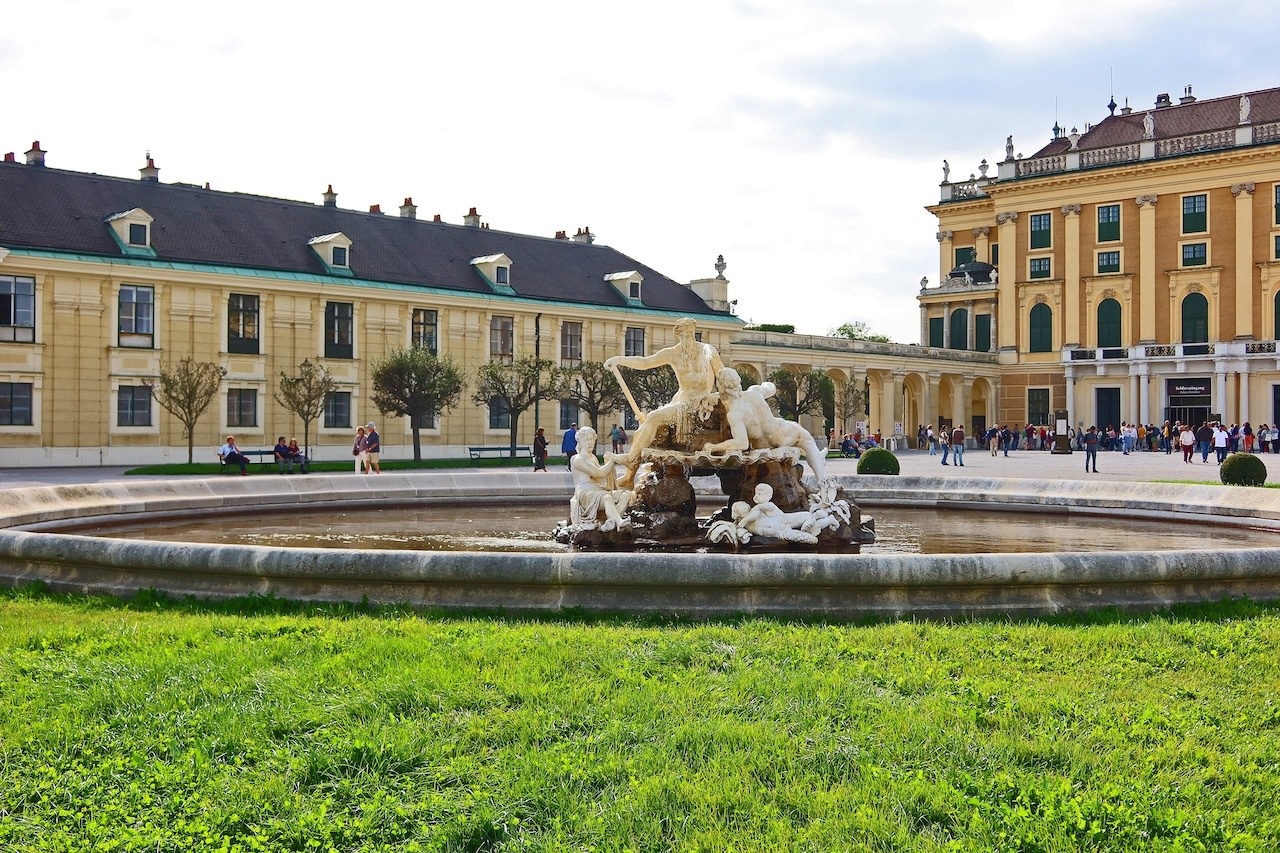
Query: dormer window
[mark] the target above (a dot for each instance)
(634, 291)
(496, 270)
(630, 284)
(334, 251)
(500, 275)
(132, 232)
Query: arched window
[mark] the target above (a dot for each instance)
(960, 328)
(1109, 323)
(1195, 319)
(1041, 328)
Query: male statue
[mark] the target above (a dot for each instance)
(753, 426)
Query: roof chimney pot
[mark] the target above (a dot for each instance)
(409, 210)
(472, 219)
(9, 158)
(1163, 100)
(1187, 97)
(436, 218)
(375, 208)
(330, 197)
(35, 157)
(149, 172)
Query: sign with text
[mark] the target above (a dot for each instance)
(1188, 387)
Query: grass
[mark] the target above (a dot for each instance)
(206, 469)
(267, 725)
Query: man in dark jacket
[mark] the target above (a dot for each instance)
(957, 445)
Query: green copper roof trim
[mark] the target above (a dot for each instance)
(285, 275)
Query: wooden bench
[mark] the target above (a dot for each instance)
(521, 451)
(266, 458)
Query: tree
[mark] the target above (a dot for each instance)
(305, 395)
(415, 383)
(594, 389)
(516, 387)
(858, 330)
(852, 402)
(802, 392)
(651, 388)
(785, 328)
(185, 391)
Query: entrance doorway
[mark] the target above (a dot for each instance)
(1190, 400)
(1194, 415)
(1107, 406)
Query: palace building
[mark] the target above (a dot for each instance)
(1130, 272)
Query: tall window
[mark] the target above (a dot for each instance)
(1108, 223)
(502, 338)
(337, 410)
(982, 333)
(427, 420)
(1195, 254)
(995, 254)
(17, 309)
(1041, 328)
(1039, 267)
(1109, 323)
(1108, 262)
(1277, 192)
(1195, 214)
(960, 328)
(242, 323)
(15, 403)
(633, 342)
(1037, 405)
(570, 343)
(339, 330)
(137, 316)
(1040, 230)
(423, 330)
(499, 414)
(242, 407)
(339, 256)
(935, 331)
(965, 254)
(569, 414)
(133, 405)
(1195, 319)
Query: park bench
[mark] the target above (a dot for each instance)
(523, 451)
(266, 458)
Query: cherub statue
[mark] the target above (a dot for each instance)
(766, 519)
(752, 425)
(594, 489)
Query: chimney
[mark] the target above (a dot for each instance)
(436, 218)
(1163, 100)
(149, 172)
(1126, 109)
(35, 157)
(375, 208)
(9, 158)
(584, 235)
(472, 219)
(1187, 97)
(562, 235)
(409, 210)
(330, 197)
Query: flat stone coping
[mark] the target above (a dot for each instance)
(829, 585)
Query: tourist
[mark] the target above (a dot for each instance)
(373, 446)
(569, 444)
(1091, 449)
(540, 450)
(616, 436)
(231, 455)
(1204, 438)
(1221, 442)
(849, 448)
(993, 440)
(1264, 437)
(945, 440)
(1247, 432)
(281, 450)
(1006, 438)
(296, 455)
(957, 445)
(931, 440)
(1187, 439)
(358, 451)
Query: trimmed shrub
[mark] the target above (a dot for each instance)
(1243, 469)
(877, 460)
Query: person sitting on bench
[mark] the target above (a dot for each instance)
(296, 455)
(231, 455)
(284, 460)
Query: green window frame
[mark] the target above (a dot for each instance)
(1277, 252)
(1195, 319)
(337, 410)
(1038, 405)
(1109, 323)
(965, 254)
(1195, 254)
(1108, 262)
(982, 333)
(1041, 324)
(1195, 214)
(960, 328)
(1041, 230)
(133, 406)
(1277, 207)
(935, 331)
(1108, 223)
(995, 254)
(1040, 267)
(424, 328)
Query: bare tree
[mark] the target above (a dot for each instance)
(851, 401)
(185, 391)
(516, 387)
(415, 383)
(594, 389)
(305, 395)
(802, 392)
(651, 388)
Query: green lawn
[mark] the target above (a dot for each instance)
(266, 725)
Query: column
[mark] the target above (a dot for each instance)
(993, 404)
(961, 403)
(982, 244)
(1244, 260)
(1220, 391)
(899, 404)
(1146, 269)
(1008, 287)
(1132, 403)
(972, 325)
(994, 338)
(1144, 395)
(1070, 374)
(946, 325)
(946, 257)
(1243, 414)
(1071, 273)
(924, 325)
(932, 380)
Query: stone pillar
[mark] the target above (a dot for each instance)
(932, 380)
(1244, 260)
(1242, 414)
(961, 403)
(1146, 269)
(982, 244)
(946, 257)
(993, 404)
(946, 325)
(1071, 273)
(1220, 391)
(924, 325)
(1008, 289)
(994, 338)
(1132, 402)
(899, 405)
(972, 325)
(1144, 394)
(1070, 374)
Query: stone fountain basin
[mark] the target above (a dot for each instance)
(839, 586)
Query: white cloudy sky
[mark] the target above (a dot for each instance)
(799, 138)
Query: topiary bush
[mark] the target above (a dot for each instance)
(877, 460)
(1243, 469)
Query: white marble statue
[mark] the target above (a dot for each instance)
(995, 276)
(595, 492)
(753, 426)
(946, 171)
(695, 364)
(1245, 107)
(1148, 127)
(766, 519)
(1008, 147)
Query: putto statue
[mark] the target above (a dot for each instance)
(711, 426)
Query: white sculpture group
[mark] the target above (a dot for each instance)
(605, 490)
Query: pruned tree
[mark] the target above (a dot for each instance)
(185, 391)
(851, 401)
(801, 392)
(417, 384)
(305, 395)
(651, 388)
(594, 389)
(858, 330)
(517, 386)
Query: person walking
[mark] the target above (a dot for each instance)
(945, 441)
(540, 450)
(358, 451)
(931, 440)
(1091, 449)
(569, 445)
(957, 445)
(1187, 439)
(372, 447)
